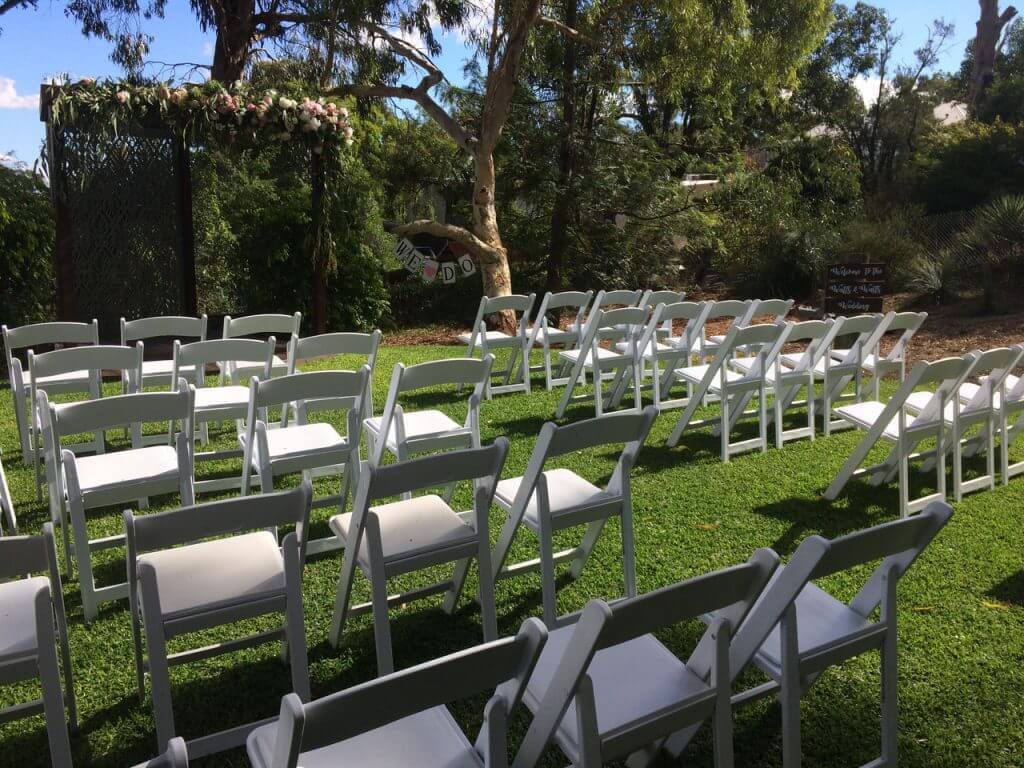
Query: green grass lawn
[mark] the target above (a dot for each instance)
(961, 607)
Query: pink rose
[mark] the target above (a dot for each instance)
(122, 97)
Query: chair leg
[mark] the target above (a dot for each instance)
(547, 574)
(890, 704)
(488, 612)
(53, 698)
(379, 596)
(725, 427)
(789, 698)
(295, 626)
(90, 605)
(159, 674)
(140, 669)
(904, 479)
(628, 553)
(451, 597)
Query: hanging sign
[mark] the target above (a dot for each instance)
(466, 265)
(430, 257)
(430, 270)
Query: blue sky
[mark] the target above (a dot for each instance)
(39, 44)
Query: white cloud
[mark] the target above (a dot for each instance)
(11, 99)
(867, 87)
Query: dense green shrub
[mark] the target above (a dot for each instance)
(26, 248)
(968, 165)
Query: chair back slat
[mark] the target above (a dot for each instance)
(432, 471)
(685, 600)
(43, 334)
(729, 308)
(623, 427)
(876, 543)
(328, 344)
(119, 410)
(435, 683)
(654, 298)
(634, 316)
(443, 372)
(516, 303)
(186, 525)
(279, 325)
(907, 321)
(767, 333)
(309, 386)
(808, 330)
(622, 297)
(777, 308)
(164, 326)
(200, 353)
(683, 310)
(22, 555)
(567, 299)
(90, 358)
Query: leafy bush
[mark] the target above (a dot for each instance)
(994, 245)
(968, 165)
(26, 249)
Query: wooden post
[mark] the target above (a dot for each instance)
(63, 251)
(186, 231)
(318, 264)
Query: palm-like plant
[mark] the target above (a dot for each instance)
(993, 242)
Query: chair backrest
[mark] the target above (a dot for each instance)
(121, 410)
(818, 334)
(220, 351)
(654, 298)
(629, 429)
(48, 334)
(908, 324)
(94, 359)
(280, 326)
(489, 305)
(695, 313)
(176, 756)
(776, 309)
(330, 344)
(734, 308)
(867, 330)
(22, 556)
(947, 375)
(731, 590)
(504, 665)
(215, 519)
(617, 298)
(577, 300)
(768, 338)
(991, 368)
(163, 326)
(898, 544)
(484, 464)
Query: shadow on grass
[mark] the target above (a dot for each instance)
(1010, 589)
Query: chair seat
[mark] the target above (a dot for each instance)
(557, 336)
(793, 360)
(864, 415)
(418, 425)
(229, 396)
(969, 389)
(566, 491)
(217, 573)
(649, 351)
(494, 339)
(715, 340)
(631, 680)
(126, 468)
(822, 621)
(695, 375)
(278, 367)
(918, 401)
(868, 363)
(289, 442)
(411, 527)
(18, 617)
(428, 739)
(156, 368)
(603, 356)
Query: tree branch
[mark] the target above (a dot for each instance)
(462, 236)
(556, 24)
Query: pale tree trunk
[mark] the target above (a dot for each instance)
(986, 47)
(236, 30)
(494, 270)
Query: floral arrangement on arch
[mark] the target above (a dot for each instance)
(236, 113)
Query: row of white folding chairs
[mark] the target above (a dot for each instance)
(938, 404)
(605, 659)
(752, 361)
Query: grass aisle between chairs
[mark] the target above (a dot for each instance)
(961, 618)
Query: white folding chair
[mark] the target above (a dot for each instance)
(30, 606)
(413, 534)
(978, 405)
(666, 351)
(788, 381)
(228, 402)
(479, 338)
(796, 630)
(159, 372)
(895, 361)
(205, 566)
(630, 325)
(176, 756)
(36, 336)
(405, 433)
(738, 312)
(605, 687)
(836, 373)
(313, 448)
(6, 503)
(1008, 402)
(733, 388)
(549, 336)
(769, 311)
(361, 348)
(548, 501)
(116, 477)
(890, 422)
(270, 326)
(50, 366)
(402, 719)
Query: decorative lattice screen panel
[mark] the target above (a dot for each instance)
(121, 197)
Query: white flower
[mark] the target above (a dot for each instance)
(312, 125)
(286, 103)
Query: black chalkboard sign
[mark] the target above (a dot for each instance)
(853, 289)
